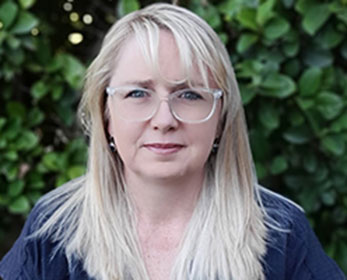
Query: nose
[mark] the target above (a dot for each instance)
(163, 119)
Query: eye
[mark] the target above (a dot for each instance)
(189, 94)
(137, 93)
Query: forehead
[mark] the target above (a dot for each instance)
(158, 60)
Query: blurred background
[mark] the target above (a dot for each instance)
(290, 59)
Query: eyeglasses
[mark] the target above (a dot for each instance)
(190, 105)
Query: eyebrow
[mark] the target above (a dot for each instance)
(150, 84)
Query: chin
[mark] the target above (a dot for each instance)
(165, 172)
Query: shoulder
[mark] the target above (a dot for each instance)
(37, 256)
(281, 211)
(294, 251)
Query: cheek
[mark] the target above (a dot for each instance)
(126, 137)
(204, 137)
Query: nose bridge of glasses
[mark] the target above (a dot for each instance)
(159, 103)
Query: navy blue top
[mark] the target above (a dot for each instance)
(292, 255)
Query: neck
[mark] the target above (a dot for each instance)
(164, 201)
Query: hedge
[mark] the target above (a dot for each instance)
(290, 59)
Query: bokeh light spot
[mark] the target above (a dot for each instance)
(74, 17)
(75, 38)
(87, 19)
(67, 7)
(35, 31)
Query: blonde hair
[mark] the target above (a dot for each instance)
(94, 218)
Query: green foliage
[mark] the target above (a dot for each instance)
(290, 59)
(38, 86)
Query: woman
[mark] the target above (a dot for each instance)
(170, 191)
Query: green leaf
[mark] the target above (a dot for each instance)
(35, 181)
(250, 69)
(316, 57)
(247, 93)
(329, 38)
(264, 12)
(73, 71)
(39, 89)
(12, 130)
(16, 188)
(316, 16)
(329, 198)
(329, 104)
(245, 42)
(2, 122)
(340, 124)
(16, 109)
(246, 18)
(278, 165)
(20, 206)
(342, 15)
(302, 6)
(126, 6)
(210, 14)
(35, 117)
(291, 49)
(57, 92)
(278, 85)
(11, 171)
(27, 141)
(310, 163)
(288, 3)
(61, 180)
(13, 42)
(335, 144)
(17, 56)
(3, 143)
(297, 135)
(309, 199)
(269, 116)
(26, 4)
(11, 155)
(310, 81)
(276, 28)
(54, 161)
(261, 170)
(8, 12)
(25, 23)
(76, 171)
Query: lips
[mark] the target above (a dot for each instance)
(164, 148)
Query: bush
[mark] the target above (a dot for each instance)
(290, 59)
(38, 87)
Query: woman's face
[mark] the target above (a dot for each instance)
(161, 147)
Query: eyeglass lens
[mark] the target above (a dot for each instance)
(190, 105)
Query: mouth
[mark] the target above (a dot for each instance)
(164, 148)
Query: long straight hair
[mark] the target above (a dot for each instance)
(94, 218)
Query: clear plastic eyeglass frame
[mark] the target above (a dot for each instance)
(216, 93)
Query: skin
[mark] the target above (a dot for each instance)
(163, 158)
